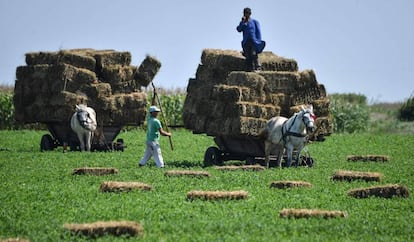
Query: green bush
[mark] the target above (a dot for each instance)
(6, 110)
(406, 112)
(173, 108)
(350, 113)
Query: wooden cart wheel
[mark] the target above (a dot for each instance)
(119, 145)
(213, 156)
(250, 160)
(47, 143)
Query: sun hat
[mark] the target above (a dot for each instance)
(154, 109)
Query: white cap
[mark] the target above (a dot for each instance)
(154, 109)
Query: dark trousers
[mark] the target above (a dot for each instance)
(249, 51)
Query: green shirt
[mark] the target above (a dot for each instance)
(153, 126)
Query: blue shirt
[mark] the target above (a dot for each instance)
(251, 30)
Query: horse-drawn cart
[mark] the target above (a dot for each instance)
(61, 134)
(243, 148)
(225, 102)
(52, 84)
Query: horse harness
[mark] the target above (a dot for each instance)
(290, 133)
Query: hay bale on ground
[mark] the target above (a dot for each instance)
(187, 173)
(378, 158)
(97, 229)
(356, 175)
(289, 184)
(217, 195)
(113, 186)
(14, 240)
(96, 171)
(244, 168)
(385, 191)
(308, 213)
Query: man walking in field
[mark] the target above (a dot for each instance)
(154, 130)
(252, 40)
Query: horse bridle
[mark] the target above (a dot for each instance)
(82, 122)
(290, 133)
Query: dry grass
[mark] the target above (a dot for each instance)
(6, 88)
(289, 184)
(385, 191)
(307, 213)
(356, 175)
(377, 158)
(14, 240)
(96, 171)
(98, 229)
(187, 173)
(244, 168)
(113, 186)
(217, 195)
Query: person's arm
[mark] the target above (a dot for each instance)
(164, 133)
(242, 25)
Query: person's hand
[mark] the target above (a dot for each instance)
(243, 19)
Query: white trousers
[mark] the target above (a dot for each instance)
(152, 149)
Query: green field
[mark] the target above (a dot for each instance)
(39, 194)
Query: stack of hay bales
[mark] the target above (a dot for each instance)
(52, 83)
(224, 100)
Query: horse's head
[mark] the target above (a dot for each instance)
(308, 118)
(86, 119)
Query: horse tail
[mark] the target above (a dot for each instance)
(264, 134)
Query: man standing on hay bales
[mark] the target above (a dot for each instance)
(252, 40)
(154, 130)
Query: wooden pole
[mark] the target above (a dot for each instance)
(162, 113)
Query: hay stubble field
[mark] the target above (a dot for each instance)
(39, 193)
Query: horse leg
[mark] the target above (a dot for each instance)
(280, 156)
(81, 141)
(88, 141)
(268, 147)
(289, 151)
(298, 154)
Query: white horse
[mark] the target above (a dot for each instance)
(289, 133)
(83, 123)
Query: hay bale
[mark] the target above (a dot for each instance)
(356, 175)
(187, 173)
(121, 109)
(115, 74)
(217, 195)
(113, 186)
(272, 62)
(289, 184)
(54, 82)
(96, 171)
(376, 158)
(243, 168)
(222, 93)
(385, 191)
(147, 70)
(308, 213)
(77, 59)
(110, 57)
(14, 240)
(101, 228)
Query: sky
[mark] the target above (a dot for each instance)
(354, 46)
